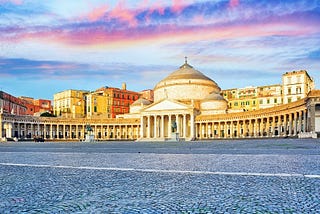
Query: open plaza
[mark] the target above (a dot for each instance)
(221, 176)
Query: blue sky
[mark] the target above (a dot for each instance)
(51, 46)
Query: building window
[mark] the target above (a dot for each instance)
(275, 100)
(235, 103)
(289, 80)
(298, 90)
(95, 108)
(268, 101)
(289, 100)
(261, 102)
(298, 79)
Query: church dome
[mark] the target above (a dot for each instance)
(185, 84)
(141, 101)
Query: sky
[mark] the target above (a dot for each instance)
(50, 46)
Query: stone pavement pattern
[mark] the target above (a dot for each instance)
(161, 177)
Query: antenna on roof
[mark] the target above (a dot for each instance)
(186, 60)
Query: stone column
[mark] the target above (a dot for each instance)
(184, 126)
(178, 124)
(77, 132)
(219, 129)
(305, 121)
(273, 126)
(9, 130)
(300, 121)
(192, 126)
(38, 130)
(285, 124)
(162, 126)
(225, 127)
(169, 126)
(250, 128)
(25, 130)
(206, 130)
(141, 127)
(256, 127)
(290, 124)
(155, 133)
(45, 131)
(238, 129)
(267, 126)
(295, 120)
(201, 129)
(31, 129)
(1, 124)
(231, 129)
(149, 127)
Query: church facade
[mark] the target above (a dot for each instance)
(187, 106)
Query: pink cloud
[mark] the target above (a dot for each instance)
(177, 6)
(234, 3)
(122, 13)
(97, 13)
(16, 2)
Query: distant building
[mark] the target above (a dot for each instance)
(105, 102)
(241, 99)
(109, 101)
(147, 94)
(36, 106)
(269, 96)
(70, 103)
(295, 86)
(11, 104)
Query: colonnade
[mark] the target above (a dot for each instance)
(167, 126)
(283, 125)
(282, 121)
(18, 127)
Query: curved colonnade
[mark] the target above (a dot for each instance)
(29, 127)
(282, 121)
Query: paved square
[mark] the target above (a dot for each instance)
(241, 176)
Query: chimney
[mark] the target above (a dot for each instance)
(124, 86)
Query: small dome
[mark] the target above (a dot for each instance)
(213, 96)
(140, 101)
(213, 104)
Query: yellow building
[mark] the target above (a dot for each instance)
(295, 86)
(269, 96)
(98, 103)
(70, 103)
(241, 99)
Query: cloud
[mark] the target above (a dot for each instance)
(123, 14)
(314, 55)
(234, 3)
(180, 20)
(15, 2)
(97, 13)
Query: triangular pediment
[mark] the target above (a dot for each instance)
(166, 105)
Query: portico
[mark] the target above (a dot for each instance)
(166, 119)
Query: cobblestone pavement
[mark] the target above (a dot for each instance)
(241, 176)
